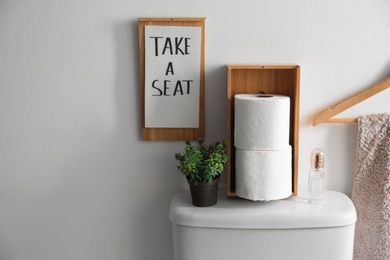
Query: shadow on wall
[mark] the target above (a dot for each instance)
(342, 141)
(216, 103)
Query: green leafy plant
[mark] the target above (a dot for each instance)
(201, 162)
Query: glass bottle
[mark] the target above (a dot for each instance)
(316, 176)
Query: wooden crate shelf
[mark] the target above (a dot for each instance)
(270, 79)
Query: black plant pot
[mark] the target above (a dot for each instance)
(204, 194)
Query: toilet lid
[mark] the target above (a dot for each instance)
(295, 212)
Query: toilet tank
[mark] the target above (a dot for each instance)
(236, 229)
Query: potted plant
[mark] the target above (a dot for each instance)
(202, 165)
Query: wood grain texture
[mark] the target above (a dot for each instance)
(327, 114)
(171, 134)
(281, 79)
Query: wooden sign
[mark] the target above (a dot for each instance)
(172, 78)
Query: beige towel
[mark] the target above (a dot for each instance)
(371, 188)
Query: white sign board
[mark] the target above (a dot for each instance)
(172, 76)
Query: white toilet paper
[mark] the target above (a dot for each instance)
(264, 175)
(262, 122)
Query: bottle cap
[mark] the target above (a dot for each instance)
(317, 159)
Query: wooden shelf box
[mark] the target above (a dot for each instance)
(270, 79)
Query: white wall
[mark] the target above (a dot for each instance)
(76, 181)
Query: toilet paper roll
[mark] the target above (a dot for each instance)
(264, 175)
(262, 122)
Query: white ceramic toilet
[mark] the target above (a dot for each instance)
(278, 230)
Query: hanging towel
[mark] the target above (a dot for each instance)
(371, 188)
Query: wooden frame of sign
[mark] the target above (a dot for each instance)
(167, 133)
(282, 79)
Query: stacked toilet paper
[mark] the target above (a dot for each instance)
(263, 154)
